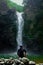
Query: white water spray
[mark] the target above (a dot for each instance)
(20, 23)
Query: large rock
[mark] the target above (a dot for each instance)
(32, 63)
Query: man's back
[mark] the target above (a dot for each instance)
(21, 52)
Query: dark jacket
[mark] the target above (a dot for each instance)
(21, 52)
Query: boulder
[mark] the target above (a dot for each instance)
(25, 61)
(32, 63)
(17, 62)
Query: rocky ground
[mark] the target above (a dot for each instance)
(19, 61)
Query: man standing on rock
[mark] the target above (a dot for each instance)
(21, 52)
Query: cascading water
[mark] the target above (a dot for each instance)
(20, 24)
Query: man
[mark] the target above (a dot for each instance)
(21, 52)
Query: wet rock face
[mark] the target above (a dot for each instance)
(8, 31)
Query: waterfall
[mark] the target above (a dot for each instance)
(20, 24)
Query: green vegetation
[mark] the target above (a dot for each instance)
(33, 25)
(37, 59)
(8, 56)
(12, 5)
(8, 31)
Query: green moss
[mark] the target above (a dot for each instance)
(12, 5)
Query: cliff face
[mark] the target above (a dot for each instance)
(33, 24)
(8, 28)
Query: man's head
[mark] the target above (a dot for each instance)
(21, 47)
